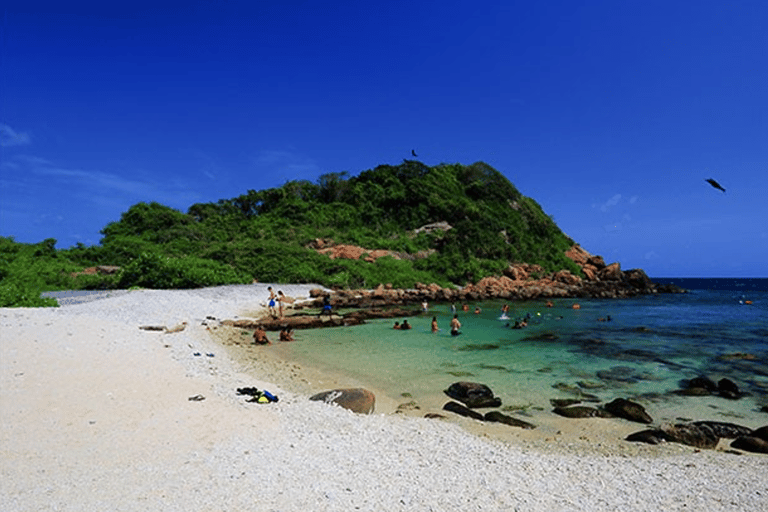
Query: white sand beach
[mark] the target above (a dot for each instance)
(95, 414)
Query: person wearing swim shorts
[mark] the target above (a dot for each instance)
(271, 303)
(455, 326)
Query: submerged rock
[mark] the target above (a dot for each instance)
(618, 374)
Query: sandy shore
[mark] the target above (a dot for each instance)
(95, 415)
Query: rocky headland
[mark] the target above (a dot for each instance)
(521, 281)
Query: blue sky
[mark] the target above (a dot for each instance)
(610, 114)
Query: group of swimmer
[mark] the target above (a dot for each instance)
(455, 325)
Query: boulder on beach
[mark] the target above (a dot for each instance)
(461, 410)
(472, 394)
(750, 444)
(581, 411)
(628, 410)
(650, 436)
(357, 400)
(699, 434)
(691, 435)
(500, 417)
(723, 429)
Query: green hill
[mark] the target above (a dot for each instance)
(272, 235)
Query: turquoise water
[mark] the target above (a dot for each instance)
(647, 348)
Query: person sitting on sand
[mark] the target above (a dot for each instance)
(286, 334)
(260, 336)
(455, 326)
(405, 325)
(396, 326)
(435, 328)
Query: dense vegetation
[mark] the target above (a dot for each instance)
(264, 235)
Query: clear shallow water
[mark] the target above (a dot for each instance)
(648, 347)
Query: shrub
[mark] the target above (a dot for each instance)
(14, 295)
(150, 270)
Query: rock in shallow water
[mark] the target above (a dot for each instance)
(473, 394)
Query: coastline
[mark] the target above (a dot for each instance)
(96, 415)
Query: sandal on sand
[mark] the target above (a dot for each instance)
(196, 398)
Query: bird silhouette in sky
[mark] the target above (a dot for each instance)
(413, 152)
(715, 184)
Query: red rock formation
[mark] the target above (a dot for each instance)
(611, 273)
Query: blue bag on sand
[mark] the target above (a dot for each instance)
(272, 398)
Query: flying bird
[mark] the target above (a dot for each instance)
(413, 152)
(715, 184)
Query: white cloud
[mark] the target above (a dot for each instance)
(633, 200)
(651, 255)
(10, 137)
(96, 179)
(610, 203)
